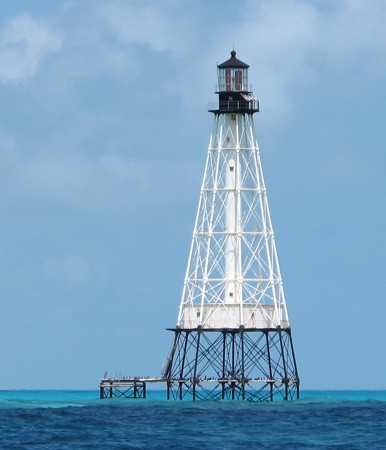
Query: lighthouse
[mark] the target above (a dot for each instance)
(232, 338)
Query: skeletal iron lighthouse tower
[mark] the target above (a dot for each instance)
(233, 337)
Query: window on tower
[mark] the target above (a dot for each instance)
(232, 79)
(228, 79)
(238, 79)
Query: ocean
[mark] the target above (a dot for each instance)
(79, 420)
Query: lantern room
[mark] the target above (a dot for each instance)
(233, 75)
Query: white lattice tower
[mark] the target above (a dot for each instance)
(233, 276)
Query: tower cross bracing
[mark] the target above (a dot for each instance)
(233, 275)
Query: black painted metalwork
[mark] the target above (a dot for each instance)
(234, 103)
(233, 364)
(234, 94)
(233, 62)
(122, 389)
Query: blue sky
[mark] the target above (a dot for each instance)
(103, 135)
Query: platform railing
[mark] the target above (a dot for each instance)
(234, 106)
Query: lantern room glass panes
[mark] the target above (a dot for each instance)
(232, 79)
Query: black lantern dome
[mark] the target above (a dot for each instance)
(232, 87)
(233, 62)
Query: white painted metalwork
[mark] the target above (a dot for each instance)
(233, 276)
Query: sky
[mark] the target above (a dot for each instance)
(103, 134)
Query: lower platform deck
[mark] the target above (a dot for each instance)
(220, 364)
(258, 389)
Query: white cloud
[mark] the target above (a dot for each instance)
(287, 42)
(155, 26)
(104, 182)
(24, 43)
(79, 181)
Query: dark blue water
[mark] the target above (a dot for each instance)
(78, 420)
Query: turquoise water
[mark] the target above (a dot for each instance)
(63, 399)
(79, 420)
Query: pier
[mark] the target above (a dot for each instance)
(195, 388)
(127, 387)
